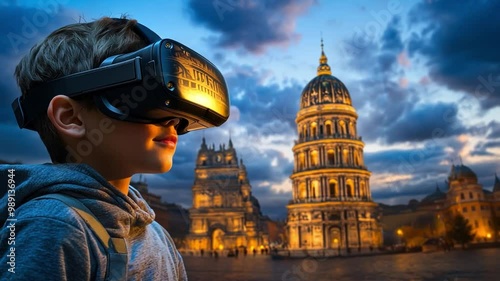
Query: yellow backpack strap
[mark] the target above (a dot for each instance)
(116, 248)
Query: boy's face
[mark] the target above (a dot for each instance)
(120, 148)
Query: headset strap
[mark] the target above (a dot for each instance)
(144, 32)
(116, 248)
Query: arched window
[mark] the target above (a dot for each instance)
(332, 186)
(352, 132)
(357, 161)
(342, 127)
(314, 128)
(302, 160)
(345, 156)
(350, 188)
(314, 158)
(302, 190)
(330, 155)
(328, 127)
(349, 191)
(362, 190)
(315, 189)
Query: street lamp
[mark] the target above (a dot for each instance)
(400, 234)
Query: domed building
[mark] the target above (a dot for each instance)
(463, 195)
(332, 208)
(479, 206)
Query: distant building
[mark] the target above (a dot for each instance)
(225, 215)
(479, 206)
(464, 195)
(332, 208)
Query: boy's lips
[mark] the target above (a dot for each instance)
(171, 139)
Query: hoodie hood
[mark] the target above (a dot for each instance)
(122, 215)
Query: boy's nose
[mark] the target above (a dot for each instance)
(171, 122)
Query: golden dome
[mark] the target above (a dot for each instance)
(324, 88)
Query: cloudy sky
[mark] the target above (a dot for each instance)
(424, 77)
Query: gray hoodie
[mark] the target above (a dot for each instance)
(47, 240)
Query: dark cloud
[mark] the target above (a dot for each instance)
(425, 160)
(382, 102)
(391, 44)
(396, 114)
(272, 203)
(410, 190)
(494, 129)
(389, 109)
(21, 28)
(375, 54)
(460, 41)
(253, 25)
(425, 165)
(271, 108)
(384, 105)
(482, 148)
(263, 170)
(428, 121)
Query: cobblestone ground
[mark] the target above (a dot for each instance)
(483, 264)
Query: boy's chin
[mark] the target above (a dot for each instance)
(155, 168)
(164, 167)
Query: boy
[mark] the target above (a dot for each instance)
(94, 157)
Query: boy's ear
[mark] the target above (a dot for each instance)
(64, 113)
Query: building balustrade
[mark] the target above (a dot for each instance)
(328, 199)
(326, 166)
(325, 136)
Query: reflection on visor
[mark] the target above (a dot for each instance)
(175, 82)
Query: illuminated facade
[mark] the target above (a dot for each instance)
(332, 207)
(225, 215)
(479, 206)
(433, 214)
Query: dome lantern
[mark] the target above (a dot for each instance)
(323, 68)
(324, 88)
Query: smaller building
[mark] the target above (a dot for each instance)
(479, 206)
(225, 215)
(463, 194)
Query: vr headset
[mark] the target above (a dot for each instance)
(162, 81)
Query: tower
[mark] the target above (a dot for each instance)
(332, 207)
(225, 215)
